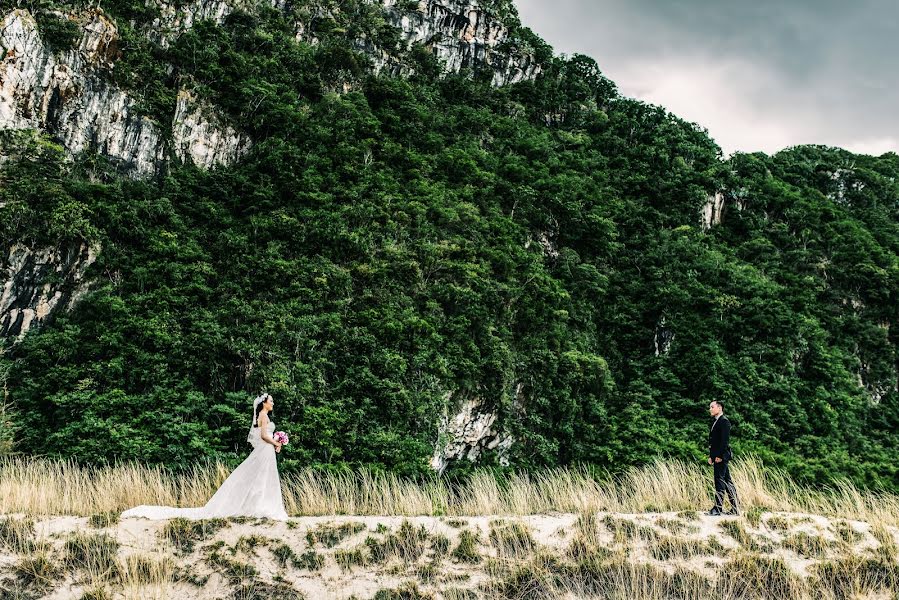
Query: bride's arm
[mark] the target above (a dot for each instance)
(263, 431)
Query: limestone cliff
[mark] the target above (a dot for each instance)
(67, 95)
(35, 283)
(461, 33)
(472, 431)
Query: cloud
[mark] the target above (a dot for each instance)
(759, 75)
(874, 146)
(701, 91)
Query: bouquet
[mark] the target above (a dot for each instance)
(281, 438)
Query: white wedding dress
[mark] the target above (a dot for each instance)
(253, 489)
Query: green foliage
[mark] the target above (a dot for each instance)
(388, 251)
(257, 589)
(59, 33)
(8, 424)
(98, 593)
(844, 577)
(283, 553)
(347, 559)
(760, 576)
(441, 545)
(237, 572)
(38, 203)
(807, 545)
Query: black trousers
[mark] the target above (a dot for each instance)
(724, 485)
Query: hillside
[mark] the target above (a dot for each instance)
(436, 244)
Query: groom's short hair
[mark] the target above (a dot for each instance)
(719, 403)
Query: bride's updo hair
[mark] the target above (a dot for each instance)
(265, 398)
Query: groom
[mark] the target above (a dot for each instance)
(719, 457)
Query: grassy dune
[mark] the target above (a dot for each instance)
(557, 534)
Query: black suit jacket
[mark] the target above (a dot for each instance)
(719, 439)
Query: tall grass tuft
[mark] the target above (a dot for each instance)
(147, 575)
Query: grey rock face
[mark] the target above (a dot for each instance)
(64, 96)
(36, 283)
(468, 434)
(663, 337)
(547, 245)
(876, 389)
(199, 136)
(67, 96)
(713, 211)
(177, 17)
(463, 34)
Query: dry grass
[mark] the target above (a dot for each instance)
(807, 545)
(147, 575)
(408, 544)
(511, 539)
(40, 570)
(330, 535)
(16, 534)
(47, 487)
(184, 533)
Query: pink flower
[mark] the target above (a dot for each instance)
(281, 438)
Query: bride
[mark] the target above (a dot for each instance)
(253, 489)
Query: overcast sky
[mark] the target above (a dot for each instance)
(758, 74)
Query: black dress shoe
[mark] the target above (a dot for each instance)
(715, 512)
